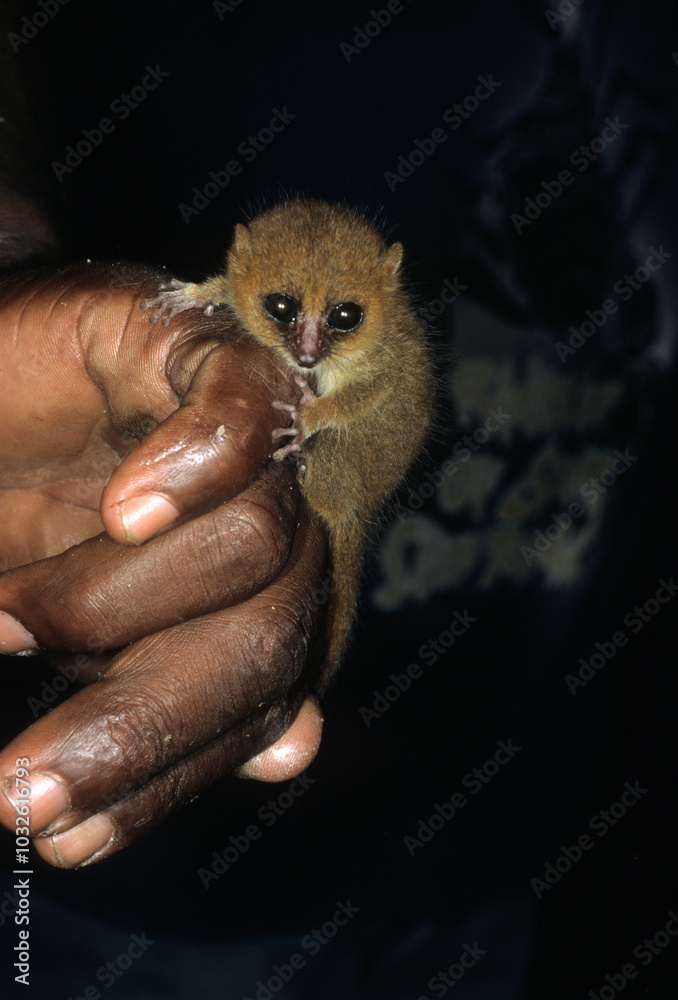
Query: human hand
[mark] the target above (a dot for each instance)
(217, 612)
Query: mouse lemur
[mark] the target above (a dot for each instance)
(317, 284)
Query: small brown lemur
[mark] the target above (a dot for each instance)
(317, 284)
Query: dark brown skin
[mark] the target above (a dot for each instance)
(318, 286)
(219, 609)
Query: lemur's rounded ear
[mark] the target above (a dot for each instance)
(393, 257)
(241, 238)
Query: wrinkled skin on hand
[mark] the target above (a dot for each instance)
(196, 613)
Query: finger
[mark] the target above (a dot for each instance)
(203, 453)
(293, 752)
(131, 814)
(100, 595)
(168, 696)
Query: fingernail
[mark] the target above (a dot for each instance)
(80, 845)
(47, 800)
(143, 516)
(13, 636)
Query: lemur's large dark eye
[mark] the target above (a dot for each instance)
(345, 317)
(282, 308)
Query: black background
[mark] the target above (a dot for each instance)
(353, 120)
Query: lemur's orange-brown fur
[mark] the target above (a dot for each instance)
(365, 420)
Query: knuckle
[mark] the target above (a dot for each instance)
(264, 535)
(278, 646)
(140, 728)
(243, 551)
